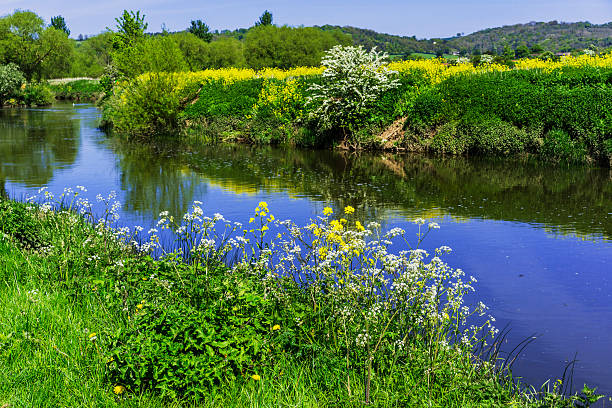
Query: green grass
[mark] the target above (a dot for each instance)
(55, 293)
(431, 56)
(82, 89)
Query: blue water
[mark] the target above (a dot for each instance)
(537, 237)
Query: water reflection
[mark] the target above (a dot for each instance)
(153, 181)
(574, 200)
(35, 143)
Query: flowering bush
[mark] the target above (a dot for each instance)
(11, 79)
(353, 79)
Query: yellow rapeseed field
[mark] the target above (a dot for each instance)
(435, 70)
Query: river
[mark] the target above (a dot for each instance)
(537, 237)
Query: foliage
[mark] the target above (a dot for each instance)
(36, 94)
(265, 19)
(287, 47)
(353, 79)
(148, 107)
(200, 30)
(82, 89)
(59, 23)
(39, 51)
(11, 80)
(130, 30)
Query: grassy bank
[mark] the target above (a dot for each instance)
(307, 318)
(78, 90)
(558, 111)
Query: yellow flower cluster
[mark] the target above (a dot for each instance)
(437, 70)
(581, 61)
(283, 99)
(231, 75)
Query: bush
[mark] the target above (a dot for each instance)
(148, 106)
(36, 94)
(11, 79)
(352, 81)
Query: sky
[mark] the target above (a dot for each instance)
(423, 19)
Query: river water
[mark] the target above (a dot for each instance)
(537, 237)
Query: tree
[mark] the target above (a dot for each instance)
(200, 30)
(265, 19)
(59, 24)
(128, 43)
(522, 51)
(286, 47)
(352, 81)
(130, 29)
(37, 50)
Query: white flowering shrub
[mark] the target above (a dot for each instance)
(11, 79)
(353, 79)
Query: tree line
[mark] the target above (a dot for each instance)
(44, 51)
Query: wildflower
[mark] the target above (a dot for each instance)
(263, 205)
(256, 377)
(139, 306)
(328, 211)
(251, 220)
(93, 336)
(276, 327)
(349, 210)
(118, 389)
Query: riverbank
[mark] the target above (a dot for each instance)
(133, 330)
(556, 111)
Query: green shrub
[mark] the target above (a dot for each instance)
(148, 107)
(36, 94)
(217, 98)
(558, 146)
(11, 79)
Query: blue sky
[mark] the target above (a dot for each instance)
(425, 19)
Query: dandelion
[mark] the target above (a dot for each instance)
(118, 389)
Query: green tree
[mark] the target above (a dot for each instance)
(195, 50)
(265, 19)
(200, 30)
(59, 23)
(286, 47)
(224, 53)
(128, 43)
(130, 29)
(537, 49)
(522, 51)
(38, 51)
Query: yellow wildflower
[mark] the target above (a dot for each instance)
(251, 220)
(263, 204)
(359, 227)
(328, 211)
(264, 228)
(349, 210)
(276, 327)
(118, 389)
(139, 306)
(256, 377)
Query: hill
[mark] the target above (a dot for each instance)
(551, 36)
